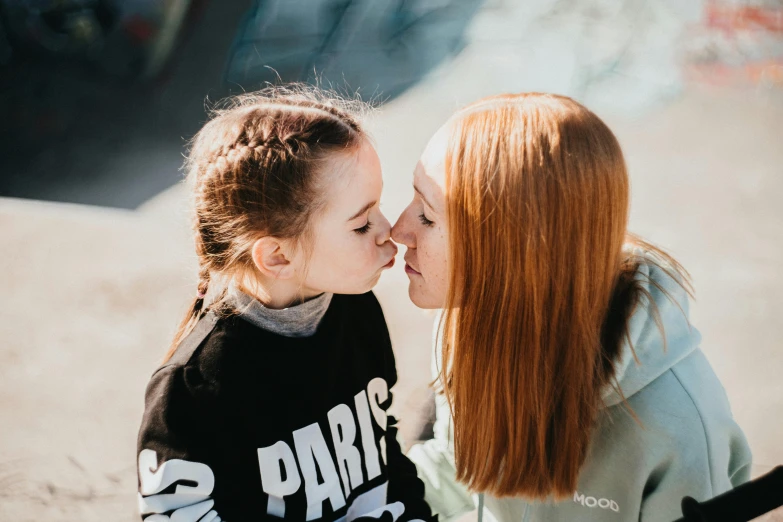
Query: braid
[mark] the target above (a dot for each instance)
(338, 113)
(203, 283)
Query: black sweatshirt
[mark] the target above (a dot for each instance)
(243, 424)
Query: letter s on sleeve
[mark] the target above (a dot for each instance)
(154, 479)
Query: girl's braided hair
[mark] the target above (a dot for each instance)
(253, 169)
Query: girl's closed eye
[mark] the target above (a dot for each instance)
(424, 221)
(363, 230)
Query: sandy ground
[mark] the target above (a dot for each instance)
(93, 295)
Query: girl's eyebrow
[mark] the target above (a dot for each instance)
(364, 209)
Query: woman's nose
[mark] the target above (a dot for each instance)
(400, 233)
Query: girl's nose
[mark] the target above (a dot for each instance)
(385, 231)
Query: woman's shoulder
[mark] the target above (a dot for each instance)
(660, 409)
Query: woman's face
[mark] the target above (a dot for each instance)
(422, 227)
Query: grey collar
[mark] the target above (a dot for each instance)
(296, 321)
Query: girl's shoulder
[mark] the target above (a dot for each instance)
(363, 315)
(208, 351)
(193, 341)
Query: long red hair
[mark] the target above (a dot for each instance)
(541, 288)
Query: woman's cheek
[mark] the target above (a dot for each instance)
(426, 249)
(438, 260)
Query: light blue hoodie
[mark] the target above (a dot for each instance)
(688, 443)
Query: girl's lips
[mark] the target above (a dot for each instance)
(391, 262)
(409, 270)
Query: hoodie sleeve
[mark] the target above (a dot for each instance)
(714, 455)
(404, 484)
(686, 477)
(435, 465)
(434, 459)
(668, 487)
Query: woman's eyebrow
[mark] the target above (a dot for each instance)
(364, 209)
(420, 193)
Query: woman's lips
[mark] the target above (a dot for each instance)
(408, 268)
(389, 264)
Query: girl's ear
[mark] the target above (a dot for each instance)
(273, 258)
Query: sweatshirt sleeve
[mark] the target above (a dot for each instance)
(175, 460)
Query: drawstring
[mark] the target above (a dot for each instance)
(481, 507)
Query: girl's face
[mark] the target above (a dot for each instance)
(351, 238)
(422, 227)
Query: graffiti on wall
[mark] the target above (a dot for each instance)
(737, 43)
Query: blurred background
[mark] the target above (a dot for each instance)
(98, 99)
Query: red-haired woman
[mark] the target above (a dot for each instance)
(572, 383)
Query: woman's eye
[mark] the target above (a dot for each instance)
(424, 221)
(366, 228)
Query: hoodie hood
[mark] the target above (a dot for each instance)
(654, 356)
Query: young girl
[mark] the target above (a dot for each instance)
(272, 400)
